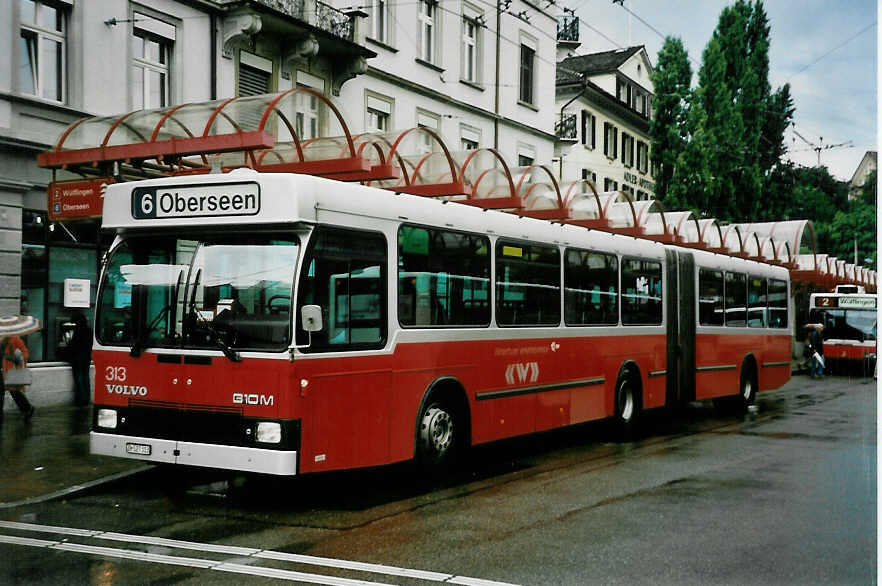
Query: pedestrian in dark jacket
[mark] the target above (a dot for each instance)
(79, 354)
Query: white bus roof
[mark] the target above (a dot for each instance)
(246, 197)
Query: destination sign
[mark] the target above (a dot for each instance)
(857, 302)
(194, 201)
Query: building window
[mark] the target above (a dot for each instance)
(610, 140)
(469, 137)
(255, 75)
(589, 123)
(378, 114)
(470, 46)
(524, 161)
(610, 185)
(528, 58)
(379, 10)
(627, 150)
(307, 119)
(432, 121)
(151, 62)
(42, 58)
(426, 30)
(642, 156)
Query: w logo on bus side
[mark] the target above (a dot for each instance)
(523, 371)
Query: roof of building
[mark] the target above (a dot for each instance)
(595, 63)
(867, 165)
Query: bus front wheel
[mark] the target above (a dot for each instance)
(438, 438)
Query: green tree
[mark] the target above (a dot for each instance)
(671, 80)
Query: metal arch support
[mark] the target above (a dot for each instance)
(634, 230)
(70, 129)
(453, 170)
(511, 200)
(318, 95)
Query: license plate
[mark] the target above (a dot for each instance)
(139, 449)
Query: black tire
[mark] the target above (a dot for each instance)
(747, 386)
(439, 439)
(627, 406)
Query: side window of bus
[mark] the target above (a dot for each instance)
(443, 278)
(777, 303)
(641, 292)
(710, 297)
(345, 274)
(736, 300)
(591, 282)
(756, 302)
(527, 284)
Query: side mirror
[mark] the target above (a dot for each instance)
(311, 318)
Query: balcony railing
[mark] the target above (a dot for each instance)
(566, 128)
(316, 13)
(568, 28)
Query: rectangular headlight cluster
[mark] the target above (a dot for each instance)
(268, 432)
(107, 418)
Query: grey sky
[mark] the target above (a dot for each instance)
(834, 94)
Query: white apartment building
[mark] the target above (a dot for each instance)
(604, 103)
(478, 73)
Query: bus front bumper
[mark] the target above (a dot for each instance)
(164, 451)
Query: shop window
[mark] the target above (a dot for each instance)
(50, 254)
(42, 49)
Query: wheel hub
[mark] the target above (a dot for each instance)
(437, 430)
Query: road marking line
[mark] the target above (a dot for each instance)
(292, 575)
(350, 565)
(232, 550)
(465, 581)
(161, 541)
(134, 555)
(49, 529)
(26, 541)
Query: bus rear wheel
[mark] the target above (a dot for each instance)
(627, 406)
(438, 439)
(747, 387)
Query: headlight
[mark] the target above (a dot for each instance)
(107, 418)
(268, 432)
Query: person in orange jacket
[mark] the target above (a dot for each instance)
(15, 356)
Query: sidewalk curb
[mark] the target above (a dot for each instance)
(74, 489)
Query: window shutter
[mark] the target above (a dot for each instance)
(252, 81)
(584, 127)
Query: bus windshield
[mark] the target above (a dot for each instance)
(847, 324)
(231, 291)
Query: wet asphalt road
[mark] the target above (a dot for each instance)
(783, 495)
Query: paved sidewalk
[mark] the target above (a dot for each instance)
(49, 456)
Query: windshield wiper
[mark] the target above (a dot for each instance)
(204, 324)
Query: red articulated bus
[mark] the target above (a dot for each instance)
(849, 320)
(288, 324)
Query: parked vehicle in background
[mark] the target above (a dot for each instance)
(849, 316)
